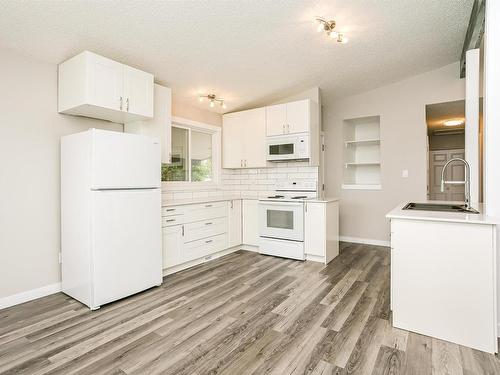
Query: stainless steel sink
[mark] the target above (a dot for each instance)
(443, 207)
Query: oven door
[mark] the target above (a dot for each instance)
(281, 150)
(283, 220)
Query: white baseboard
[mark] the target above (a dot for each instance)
(367, 241)
(249, 248)
(29, 295)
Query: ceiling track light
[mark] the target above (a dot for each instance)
(212, 100)
(329, 28)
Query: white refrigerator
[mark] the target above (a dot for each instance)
(110, 215)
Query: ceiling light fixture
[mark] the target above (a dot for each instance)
(453, 122)
(328, 27)
(212, 99)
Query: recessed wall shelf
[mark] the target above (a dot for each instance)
(362, 142)
(361, 187)
(362, 163)
(362, 153)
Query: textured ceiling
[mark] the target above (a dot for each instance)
(246, 51)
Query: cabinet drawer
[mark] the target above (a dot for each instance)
(197, 249)
(168, 221)
(172, 210)
(205, 211)
(205, 228)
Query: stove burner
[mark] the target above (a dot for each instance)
(300, 197)
(277, 196)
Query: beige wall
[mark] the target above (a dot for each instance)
(29, 172)
(29, 169)
(184, 110)
(401, 107)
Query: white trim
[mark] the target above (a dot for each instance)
(195, 124)
(367, 241)
(216, 133)
(250, 248)
(29, 295)
(205, 259)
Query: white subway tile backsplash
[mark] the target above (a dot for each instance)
(247, 183)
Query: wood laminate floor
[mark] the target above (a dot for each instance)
(244, 313)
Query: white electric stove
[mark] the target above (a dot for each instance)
(281, 219)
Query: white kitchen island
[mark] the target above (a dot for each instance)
(443, 276)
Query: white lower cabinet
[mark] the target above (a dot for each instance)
(193, 233)
(321, 222)
(234, 222)
(443, 277)
(172, 245)
(201, 248)
(251, 222)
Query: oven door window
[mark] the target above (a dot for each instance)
(281, 149)
(280, 219)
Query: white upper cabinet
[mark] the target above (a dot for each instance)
(160, 126)
(288, 118)
(138, 92)
(94, 86)
(232, 140)
(254, 139)
(244, 139)
(298, 116)
(276, 119)
(105, 82)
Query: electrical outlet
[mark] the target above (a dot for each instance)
(60, 258)
(404, 174)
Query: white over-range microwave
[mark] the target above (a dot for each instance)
(288, 147)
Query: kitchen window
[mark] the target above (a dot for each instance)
(195, 154)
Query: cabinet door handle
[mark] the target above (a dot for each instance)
(208, 241)
(288, 128)
(208, 223)
(208, 205)
(241, 162)
(169, 220)
(128, 102)
(121, 103)
(232, 204)
(170, 209)
(183, 231)
(283, 128)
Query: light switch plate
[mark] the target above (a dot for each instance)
(404, 173)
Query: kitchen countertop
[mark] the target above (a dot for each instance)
(457, 217)
(179, 202)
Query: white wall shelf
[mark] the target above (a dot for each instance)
(361, 187)
(362, 163)
(362, 153)
(362, 142)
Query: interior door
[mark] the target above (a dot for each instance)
(297, 116)
(454, 172)
(125, 161)
(255, 138)
(276, 119)
(106, 82)
(127, 247)
(138, 91)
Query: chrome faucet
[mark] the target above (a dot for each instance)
(466, 182)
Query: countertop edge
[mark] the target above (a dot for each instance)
(450, 217)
